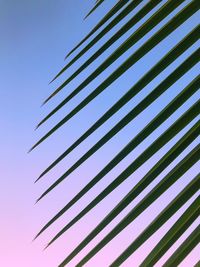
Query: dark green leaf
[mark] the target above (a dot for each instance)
(136, 36)
(171, 208)
(184, 249)
(191, 61)
(152, 42)
(153, 148)
(180, 226)
(138, 188)
(116, 36)
(98, 3)
(148, 77)
(111, 13)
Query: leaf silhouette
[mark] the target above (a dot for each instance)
(161, 65)
(174, 23)
(191, 61)
(172, 15)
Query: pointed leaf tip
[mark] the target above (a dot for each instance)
(43, 103)
(45, 247)
(37, 201)
(40, 176)
(39, 124)
(36, 180)
(29, 151)
(68, 55)
(35, 237)
(52, 80)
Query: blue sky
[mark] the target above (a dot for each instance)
(35, 36)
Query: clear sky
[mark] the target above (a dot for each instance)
(34, 39)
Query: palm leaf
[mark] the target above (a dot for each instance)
(145, 28)
(184, 249)
(116, 15)
(198, 264)
(161, 219)
(160, 118)
(173, 206)
(174, 23)
(152, 149)
(182, 224)
(111, 13)
(148, 77)
(144, 182)
(191, 61)
(98, 3)
(123, 30)
(147, 179)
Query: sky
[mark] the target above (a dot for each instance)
(35, 36)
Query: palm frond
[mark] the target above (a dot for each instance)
(187, 125)
(98, 3)
(144, 182)
(161, 117)
(165, 215)
(190, 62)
(172, 207)
(109, 15)
(148, 77)
(151, 43)
(151, 150)
(124, 29)
(192, 241)
(182, 224)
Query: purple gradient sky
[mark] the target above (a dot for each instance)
(35, 36)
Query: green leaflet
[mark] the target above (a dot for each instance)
(162, 116)
(174, 206)
(154, 40)
(111, 13)
(116, 36)
(98, 3)
(163, 139)
(138, 188)
(145, 28)
(114, 22)
(180, 226)
(148, 77)
(161, 88)
(197, 264)
(150, 151)
(184, 249)
(120, 10)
